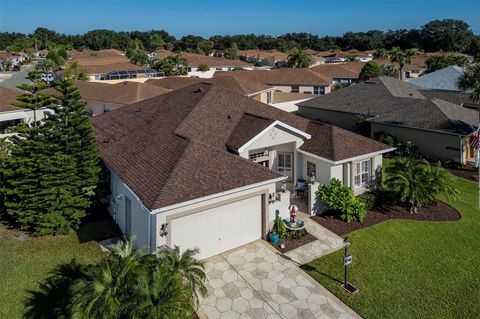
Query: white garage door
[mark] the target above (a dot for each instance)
(219, 229)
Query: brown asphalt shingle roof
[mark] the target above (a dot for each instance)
(284, 76)
(194, 60)
(173, 148)
(232, 83)
(7, 98)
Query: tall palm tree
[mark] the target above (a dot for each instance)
(401, 57)
(157, 41)
(187, 266)
(299, 58)
(46, 65)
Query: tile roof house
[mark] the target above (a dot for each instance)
(270, 58)
(434, 121)
(443, 80)
(203, 166)
(11, 115)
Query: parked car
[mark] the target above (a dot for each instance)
(16, 67)
(48, 77)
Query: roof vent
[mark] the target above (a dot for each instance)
(229, 116)
(198, 90)
(137, 109)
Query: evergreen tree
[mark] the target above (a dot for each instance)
(71, 131)
(370, 70)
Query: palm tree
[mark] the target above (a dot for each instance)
(103, 289)
(157, 41)
(390, 70)
(470, 80)
(401, 57)
(185, 264)
(161, 295)
(46, 65)
(299, 58)
(417, 183)
(382, 54)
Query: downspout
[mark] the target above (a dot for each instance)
(461, 150)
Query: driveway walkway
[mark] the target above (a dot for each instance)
(255, 281)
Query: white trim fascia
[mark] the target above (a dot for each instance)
(256, 93)
(351, 159)
(217, 195)
(279, 123)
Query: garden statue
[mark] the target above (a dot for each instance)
(293, 213)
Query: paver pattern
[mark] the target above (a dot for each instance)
(255, 281)
(327, 242)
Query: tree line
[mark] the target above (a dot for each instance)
(439, 35)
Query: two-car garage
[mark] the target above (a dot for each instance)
(218, 229)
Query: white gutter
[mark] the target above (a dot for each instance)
(279, 123)
(217, 195)
(351, 159)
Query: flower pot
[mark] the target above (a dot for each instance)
(274, 238)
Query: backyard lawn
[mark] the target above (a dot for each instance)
(412, 269)
(25, 262)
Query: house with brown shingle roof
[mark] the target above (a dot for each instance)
(271, 58)
(12, 115)
(204, 167)
(436, 122)
(290, 80)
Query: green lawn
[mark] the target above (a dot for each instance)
(413, 269)
(25, 264)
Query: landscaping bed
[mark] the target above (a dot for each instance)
(468, 172)
(291, 244)
(439, 211)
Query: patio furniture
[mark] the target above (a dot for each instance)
(301, 189)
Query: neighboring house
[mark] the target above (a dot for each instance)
(252, 89)
(445, 79)
(439, 128)
(202, 167)
(111, 64)
(11, 115)
(214, 64)
(288, 101)
(290, 80)
(270, 58)
(103, 97)
(344, 74)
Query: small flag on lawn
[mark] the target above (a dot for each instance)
(476, 139)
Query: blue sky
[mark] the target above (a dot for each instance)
(181, 17)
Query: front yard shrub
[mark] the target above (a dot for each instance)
(417, 183)
(369, 199)
(296, 234)
(203, 68)
(338, 196)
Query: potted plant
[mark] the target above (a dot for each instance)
(278, 230)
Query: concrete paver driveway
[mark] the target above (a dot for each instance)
(254, 281)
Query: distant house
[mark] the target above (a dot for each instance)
(344, 74)
(111, 64)
(249, 88)
(270, 58)
(438, 127)
(442, 80)
(204, 167)
(290, 80)
(214, 64)
(11, 115)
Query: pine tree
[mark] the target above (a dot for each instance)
(72, 132)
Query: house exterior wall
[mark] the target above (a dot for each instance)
(340, 119)
(306, 89)
(99, 107)
(433, 144)
(141, 220)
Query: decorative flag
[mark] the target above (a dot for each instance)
(476, 139)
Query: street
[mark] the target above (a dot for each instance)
(12, 79)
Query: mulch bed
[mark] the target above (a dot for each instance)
(438, 212)
(291, 244)
(468, 172)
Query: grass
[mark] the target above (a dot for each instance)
(24, 264)
(412, 269)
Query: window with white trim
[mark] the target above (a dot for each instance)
(362, 173)
(318, 90)
(284, 166)
(295, 89)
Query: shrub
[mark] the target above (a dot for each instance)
(203, 68)
(340, 197)
(279, 227)
(417, 183)
(369, 199)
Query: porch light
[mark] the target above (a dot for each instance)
(313, 178)
(265, 152)
(284, 187)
